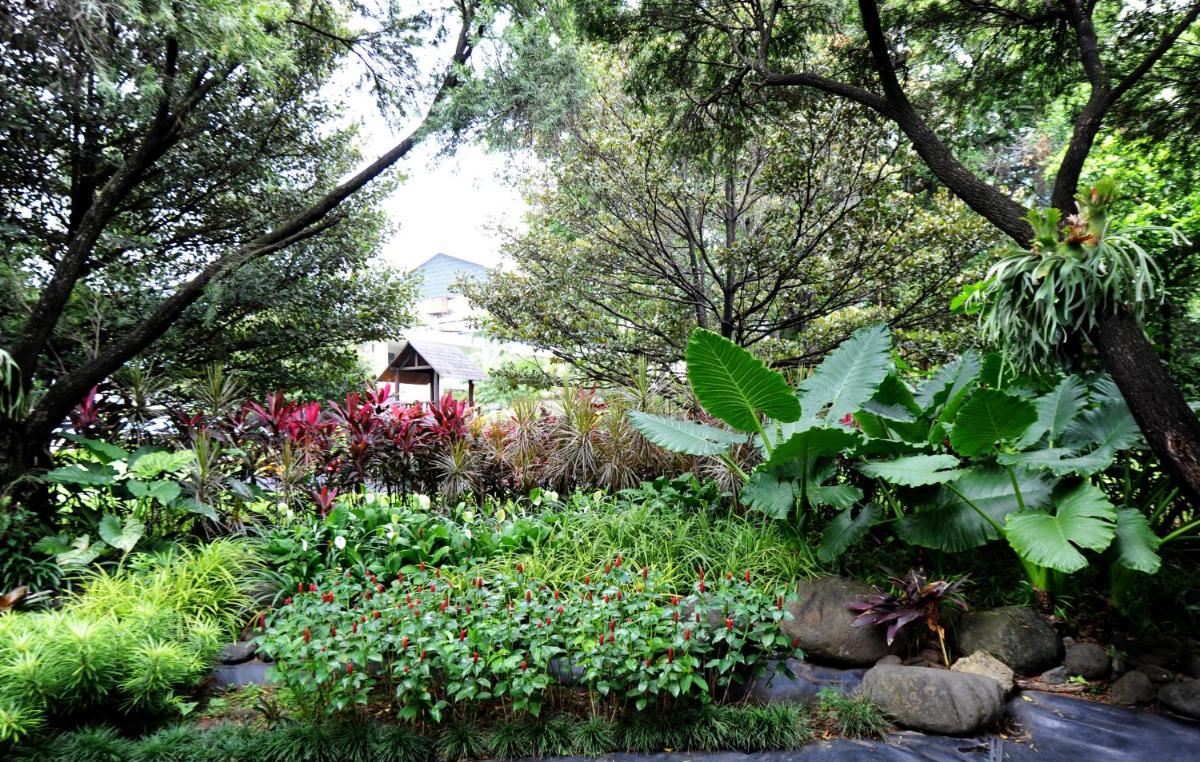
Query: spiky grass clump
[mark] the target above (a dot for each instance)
(398, 743)
(459, 741)
(594, 736)
(852, 715)
(556, 736)
(174, 744)
(91, 744)
(513, 740)
(18, 719)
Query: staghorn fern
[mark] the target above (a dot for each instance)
(1032, 301)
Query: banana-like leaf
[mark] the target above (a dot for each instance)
(988, 419)
(952, 524)
(915, 470)
(849, 375)
(1083, 519)
(1056, 409)
(845, 529)
(1136, 544)
(122, 537)
(734, 385)
(686, 437)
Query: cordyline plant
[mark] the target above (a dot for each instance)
(430, 644)
(913, 599)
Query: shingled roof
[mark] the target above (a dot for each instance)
(446, 360)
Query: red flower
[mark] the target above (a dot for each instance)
(559, 609)
(728, 623)
(645, 572)
(306, 635)
(354, 627)
(462, 635)
(377, 614)
(556, 595)
(676, 617)
(779, 602)
(422, 566)
(422, 656)
(702, 585)
(475, 657)
(528, 596)
(687, 634)
(262, 621)
(404, 643)
(332, 631)
(379, 588)
(287, 601)
(520, 568)
(349, 668)
(670, 655)
(747, 576)
(618, 595)
(612, 626)
(312, 587)
(618, 562)
(608, 568)
(524, 665)
(299, 587)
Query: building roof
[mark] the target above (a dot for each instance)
(447, 361)
(440, 270)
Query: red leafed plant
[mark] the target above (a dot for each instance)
(448, 418)
(913, 598)
(86, 414)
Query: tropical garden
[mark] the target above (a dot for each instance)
(860, 404)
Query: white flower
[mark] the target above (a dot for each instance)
(423, 502)
(340, 542)
(304, 545)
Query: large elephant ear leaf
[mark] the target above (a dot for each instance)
(1056, 410)
(734, 385)
(1136, 544)
(950, 382)
(914, 470)
(845, 529)
(1107, 428)
(849, 375)
(765, 491)
(812, 443)
(123, 537)
(956, 521)
(687, 437)
(1083, 519)
(988, 419)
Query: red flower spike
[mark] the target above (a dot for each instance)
(422, 566)
(779, 602)
(528, 596)
(438, 572)
(556, 595)
(404, 643)
(618, 562)
(262, 621)
(587, 580)
(645, 572)
(612, 626)
(747, 576)
(606, 597)
(687, 635)
(647, 663)
(306, 635)
(287, 601)
(676, 616)
(349, 668)
(697, 617)
(549, 621)
(559, 609)
(332, 631)
(608, 568)
(376, 614)
(702, 586)
(524, 665)
(422, 656)
(520, 568)
(462, 635)
(354, 627)
(312, 587)
(618, 595)
(299, 587)
(670, 655)
(795, 642)
(728, 623)
(475, 657)
(379, 588)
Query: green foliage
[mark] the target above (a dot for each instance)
(444, 643)
(735, 386)
(1031, 302)
(852, 715)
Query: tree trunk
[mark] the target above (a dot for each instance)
(1168, 423)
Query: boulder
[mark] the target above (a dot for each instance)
(802, 685)
(236, 653)
(890, 659)
(1164, 651)
(1017, 636)
(983, 663)
(1056, 676)
(1191, 665)
(821, 624)
(1158, 675)
(1088, 660)
(935, 700)
(1181, 698)
(1132, 688)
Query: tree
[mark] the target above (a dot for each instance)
(1095, 59)
(185, 146)
(784, 236)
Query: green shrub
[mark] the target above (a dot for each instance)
(853, 715)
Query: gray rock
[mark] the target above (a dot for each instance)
(1017, 636)
(1089, 661)
(236, 653)
(983, 663)
(1191, 665)
(1181, 698)
(1165, 652)
(821, 624)
(1132, 688)
(935, 700)
(1157, 675)
(1056, 676)
(889, 659)
(236, 675)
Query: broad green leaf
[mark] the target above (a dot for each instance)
(765, 491)
(106, 452)
(88, 475)
(162, 490)
(191, 505)
(81, 554)
(816, 492)
(988, 419)
(845, 529)
(1055, 410)
(1082, 519)
(893, 401)
(849, 376)
(734, 385)
(153, 464)
(1059, 461)
(1108, 428)
(915, 470)
(1136, 544)
(951, 524)
(687, 437)
(949, 383)
(122, 537)
(811, 443)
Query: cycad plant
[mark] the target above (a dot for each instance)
(1033, 301)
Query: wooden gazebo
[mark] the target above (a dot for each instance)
(416, 361)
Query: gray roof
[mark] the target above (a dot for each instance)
(449, 361)
(440, 270)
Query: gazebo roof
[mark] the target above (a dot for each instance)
(445, 360)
